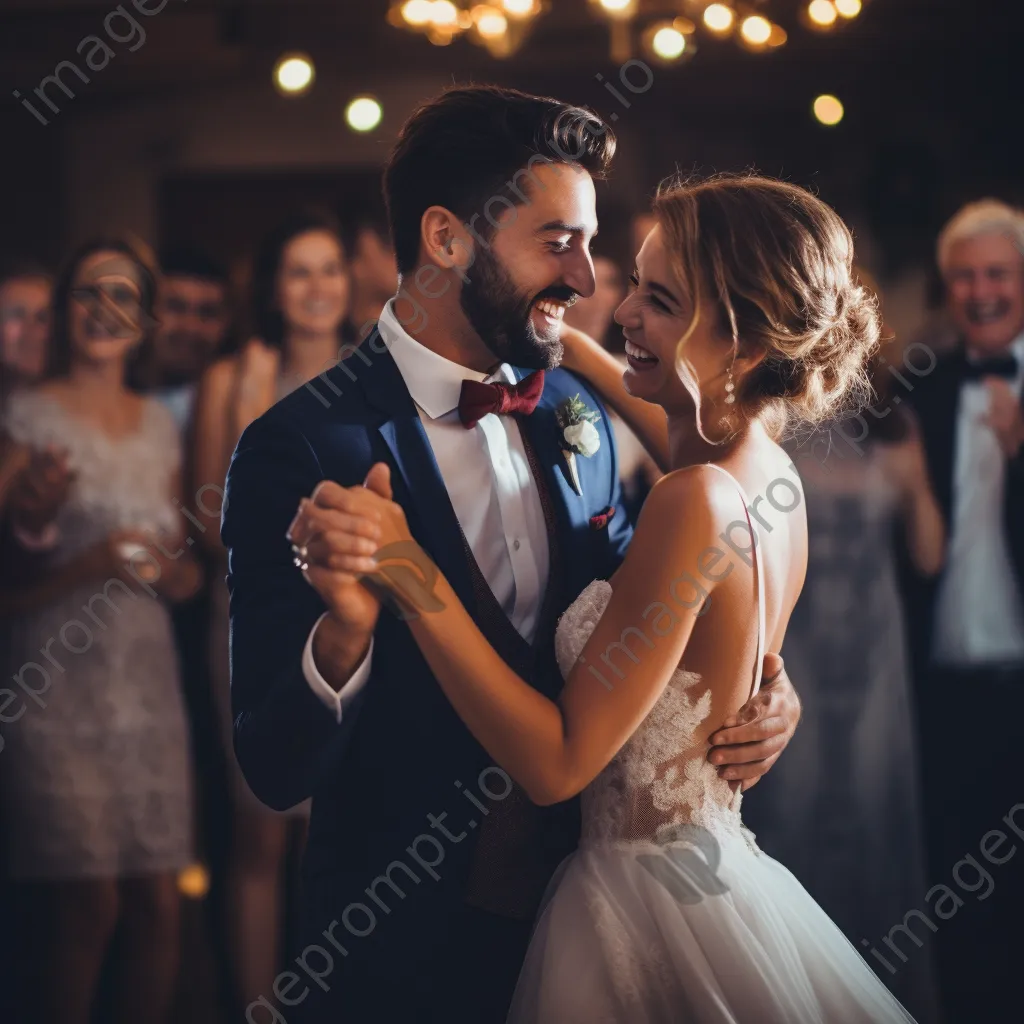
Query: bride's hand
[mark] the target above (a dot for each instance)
(360, 533)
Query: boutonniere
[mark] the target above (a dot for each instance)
(579, 435)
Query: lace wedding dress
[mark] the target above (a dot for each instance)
(669, 913)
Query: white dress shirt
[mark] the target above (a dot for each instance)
(488, 479)
(980, 611)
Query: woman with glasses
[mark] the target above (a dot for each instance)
(95, 776)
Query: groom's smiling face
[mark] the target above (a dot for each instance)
(537, 264)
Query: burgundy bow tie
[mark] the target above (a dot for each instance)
(479, 398)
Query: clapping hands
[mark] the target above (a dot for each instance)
(1005, 416)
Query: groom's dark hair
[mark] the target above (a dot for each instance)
(475, 144)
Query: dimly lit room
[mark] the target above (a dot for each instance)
(454, 454)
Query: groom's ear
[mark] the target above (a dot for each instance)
(378, 480)
(447, 242)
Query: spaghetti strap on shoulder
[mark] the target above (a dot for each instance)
(758, 572)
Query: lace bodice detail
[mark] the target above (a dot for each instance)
(660, 783)
(122, 483)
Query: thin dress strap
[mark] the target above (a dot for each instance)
(758, 572)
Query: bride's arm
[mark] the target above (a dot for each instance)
(586, 357)
(553, 750)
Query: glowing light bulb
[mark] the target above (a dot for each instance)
(848, 8)
(417, 12)
(756, 30)
(519, 8)
(491, 23)
(444, 13)
(668, 43)
(293, 74)
(828, 110)
(363, 114)
(718, 17)
(822, 12)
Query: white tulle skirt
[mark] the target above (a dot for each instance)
(638, 933)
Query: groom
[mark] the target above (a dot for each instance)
(425, 865)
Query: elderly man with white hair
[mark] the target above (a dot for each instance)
(972, 640)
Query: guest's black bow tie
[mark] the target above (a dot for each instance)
(995, 366)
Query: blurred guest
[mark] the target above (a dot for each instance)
(971, 624)
(95, 782)
(372, 268)
(25, 295)
(193, 317)
(193, 314)
(300, 297)
(843, 809)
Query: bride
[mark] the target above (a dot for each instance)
(744, 313)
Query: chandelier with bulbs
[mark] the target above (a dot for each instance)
(667, 30)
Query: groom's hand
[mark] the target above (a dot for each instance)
(326, 533)
(750, 742)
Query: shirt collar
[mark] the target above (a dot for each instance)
(435, 383)
(1015, 348)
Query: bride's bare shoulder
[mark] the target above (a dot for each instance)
(686, 509)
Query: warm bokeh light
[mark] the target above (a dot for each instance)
(828, 110)
(822, 12)
(417, 12)
(778, 36)
(444, 13)
(668, 43)
(520, 8)
(363, 114)
(293, 74)
(194, 881)
(615, 6)
(490, 22)
(718, 17)
(848, 8)
(756, 30)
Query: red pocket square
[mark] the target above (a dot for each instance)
(602, 519)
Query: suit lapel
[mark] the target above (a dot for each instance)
(543, 433)
(432, 518)
(946, 419)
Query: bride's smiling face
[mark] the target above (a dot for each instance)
(656, 316)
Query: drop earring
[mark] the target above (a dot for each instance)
(730, 388)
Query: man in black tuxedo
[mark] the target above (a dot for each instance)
(969, 625)
(425, 865)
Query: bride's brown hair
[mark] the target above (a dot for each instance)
(773, 266)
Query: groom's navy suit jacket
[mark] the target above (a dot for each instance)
(399, 751)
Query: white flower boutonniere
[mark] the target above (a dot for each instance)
(579, 435)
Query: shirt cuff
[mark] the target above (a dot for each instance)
(336, 701)
(45, 540)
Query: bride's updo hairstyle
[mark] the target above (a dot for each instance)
(773, 265)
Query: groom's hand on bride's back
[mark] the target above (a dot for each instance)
(750, 741)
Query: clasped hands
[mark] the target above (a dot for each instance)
(343, 535)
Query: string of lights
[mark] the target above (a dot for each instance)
(666, 31)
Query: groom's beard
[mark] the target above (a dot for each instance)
(501, 315)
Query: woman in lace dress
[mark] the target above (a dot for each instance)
(300, 299)
(95, 773)
(744, 311)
